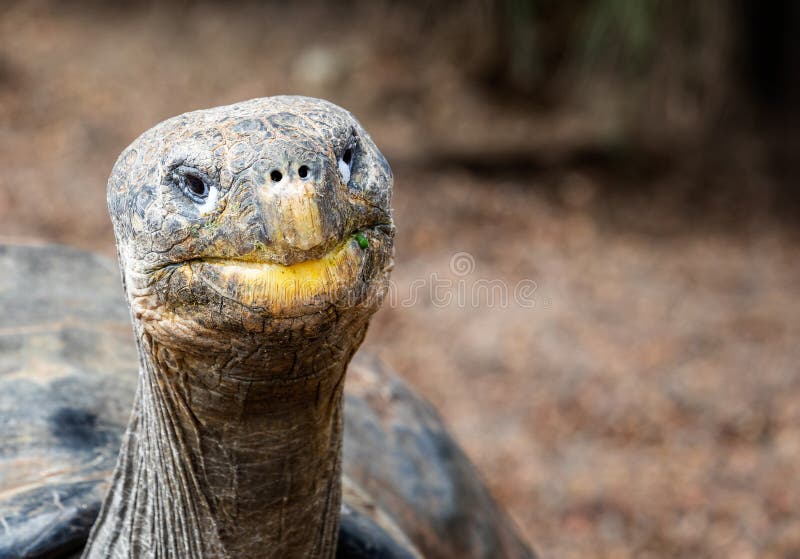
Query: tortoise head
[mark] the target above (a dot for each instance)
(271, 215)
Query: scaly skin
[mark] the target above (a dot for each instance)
(248, 301)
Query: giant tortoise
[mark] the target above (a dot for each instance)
(255, 242)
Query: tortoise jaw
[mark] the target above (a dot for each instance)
(280, 288)
(340, 277)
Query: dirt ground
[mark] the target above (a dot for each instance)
(639, 395)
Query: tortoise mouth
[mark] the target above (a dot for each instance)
(340, 277)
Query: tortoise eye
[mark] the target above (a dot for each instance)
(195, 187)
(345, 164)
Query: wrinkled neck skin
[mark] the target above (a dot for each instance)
(234, 445)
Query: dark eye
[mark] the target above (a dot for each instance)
(195, 187)
(347, 156)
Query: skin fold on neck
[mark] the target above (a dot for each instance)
(231, 456)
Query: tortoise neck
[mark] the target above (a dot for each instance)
(241, 468)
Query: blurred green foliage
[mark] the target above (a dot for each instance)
(538, 37)
(623, 30)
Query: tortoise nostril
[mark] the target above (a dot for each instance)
(276, 176)
(303, 171)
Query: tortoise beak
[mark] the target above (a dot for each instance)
(280, 289)
(301, 203)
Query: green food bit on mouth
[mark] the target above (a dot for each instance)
(363, 242)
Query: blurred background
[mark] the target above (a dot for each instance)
(635, 161)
